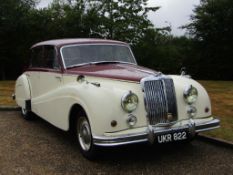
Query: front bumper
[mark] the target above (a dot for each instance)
(148, 135)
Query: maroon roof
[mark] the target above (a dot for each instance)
(61, 42)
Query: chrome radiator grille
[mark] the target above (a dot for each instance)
(160, 101)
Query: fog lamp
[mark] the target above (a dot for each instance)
(192, 111)
(132, 120)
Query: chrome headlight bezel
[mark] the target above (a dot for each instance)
(190, 94)
(129, 102)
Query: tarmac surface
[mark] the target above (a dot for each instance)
(36, 147)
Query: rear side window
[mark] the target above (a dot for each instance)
(37, 57)
(50, 57)
(44, 57)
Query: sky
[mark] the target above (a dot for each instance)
(174, 13)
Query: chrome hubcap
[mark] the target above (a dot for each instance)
(24, 111)
(84, 133)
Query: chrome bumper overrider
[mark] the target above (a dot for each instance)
(149, 134)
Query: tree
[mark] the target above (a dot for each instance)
(162, 51)
(124, 20)
(12, 33)
(22, 25)
(212, 28)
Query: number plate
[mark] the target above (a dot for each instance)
(171, 137)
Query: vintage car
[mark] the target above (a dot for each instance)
(95, 89)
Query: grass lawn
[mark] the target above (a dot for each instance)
(221, 94)
(6, 90)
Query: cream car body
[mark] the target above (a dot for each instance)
(52, 91)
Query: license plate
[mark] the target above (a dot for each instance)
(171, 137)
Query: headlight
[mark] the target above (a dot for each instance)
(129, 102)
(190, 94)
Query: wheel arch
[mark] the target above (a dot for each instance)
(22, 90)
(74, 110)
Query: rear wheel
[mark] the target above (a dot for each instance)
(84, 137)
(27, 115)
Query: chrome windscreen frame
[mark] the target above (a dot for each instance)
(85, 44)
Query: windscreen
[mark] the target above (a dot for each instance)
(83, 54)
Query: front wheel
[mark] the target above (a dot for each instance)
(84, 136)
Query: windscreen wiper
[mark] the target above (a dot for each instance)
(110, 62)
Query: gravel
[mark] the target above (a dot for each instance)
(36, 147)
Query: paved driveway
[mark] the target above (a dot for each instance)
(36, 147)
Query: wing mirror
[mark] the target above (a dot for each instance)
(183, 72)
(81, 79)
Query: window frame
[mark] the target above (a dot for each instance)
(42, 65)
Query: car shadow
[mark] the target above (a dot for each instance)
(141, 152)
(145, 152)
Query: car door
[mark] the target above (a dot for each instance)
(50, 82)
(33, 73)
(50, 75)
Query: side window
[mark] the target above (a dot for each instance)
(44, 57)
(49, 57)
(37, 57)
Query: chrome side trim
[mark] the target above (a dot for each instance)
(149, 135)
